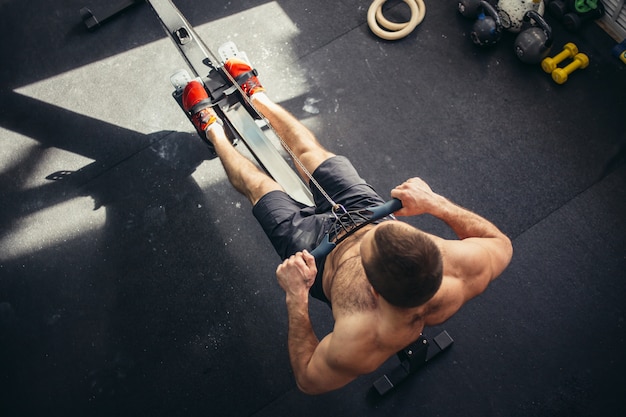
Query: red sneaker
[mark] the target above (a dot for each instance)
(196, 101)
(245, 76)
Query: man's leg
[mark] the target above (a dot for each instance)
(295, 135)
(246, 177)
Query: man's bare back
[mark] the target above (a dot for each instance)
(354, 302)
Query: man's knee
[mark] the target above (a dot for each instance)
(264, 186)
(314, 158)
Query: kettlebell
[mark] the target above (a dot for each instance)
(469, 8)
(512, 12)
(533, 44)
(487, 28)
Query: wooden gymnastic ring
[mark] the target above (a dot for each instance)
(385, 29)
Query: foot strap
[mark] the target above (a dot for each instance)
(207, 102)
(201, 105)
(242, 78)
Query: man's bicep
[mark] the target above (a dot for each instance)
(477, 261)
(497, 252)
(325, 371)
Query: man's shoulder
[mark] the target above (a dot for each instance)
(357, 342)
(446, 301)
(369, 331)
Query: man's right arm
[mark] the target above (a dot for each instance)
(483, 251)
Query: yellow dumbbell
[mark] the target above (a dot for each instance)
(549, 64)
(559, 75)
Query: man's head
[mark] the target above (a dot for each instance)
(402, 264)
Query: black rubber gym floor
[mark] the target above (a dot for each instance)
(134, 280)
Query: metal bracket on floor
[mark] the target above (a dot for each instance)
(412, 358)
(95, 20)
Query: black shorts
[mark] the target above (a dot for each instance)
(292, 226)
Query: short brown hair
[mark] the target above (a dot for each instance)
(405, 268)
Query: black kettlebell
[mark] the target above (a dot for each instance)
(532, 45)
(469, 8)
(487, 28)
(573, 21)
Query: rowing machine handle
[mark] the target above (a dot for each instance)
(378, 212)
(324, 248)
(386, 209)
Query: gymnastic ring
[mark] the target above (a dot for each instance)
(378, 23)
(388, 24)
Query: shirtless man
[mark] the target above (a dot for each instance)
(385, 282)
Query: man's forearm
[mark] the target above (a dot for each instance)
(302, 341)
(463, 222)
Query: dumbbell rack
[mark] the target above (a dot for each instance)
(614, 20)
